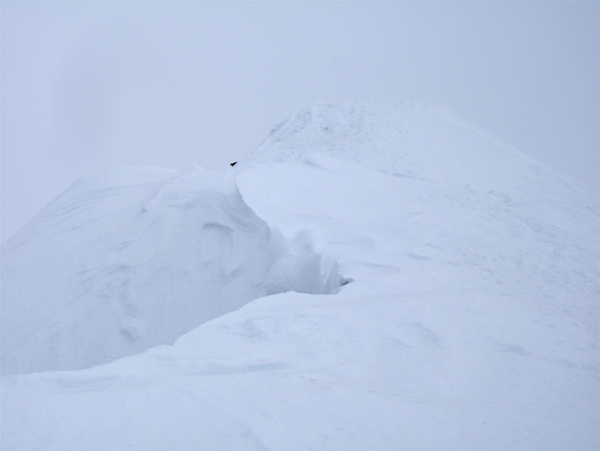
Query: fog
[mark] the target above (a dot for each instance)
(91, 85)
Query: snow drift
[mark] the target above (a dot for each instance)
(471, 322)
(134, 258)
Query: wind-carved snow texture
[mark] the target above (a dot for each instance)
(135, 258)
(471, 322)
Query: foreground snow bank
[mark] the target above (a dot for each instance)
(373, 367)
(472, 321)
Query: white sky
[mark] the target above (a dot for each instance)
(91, 85)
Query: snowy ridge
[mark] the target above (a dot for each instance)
(500, 211)
(406, 139)
(471, 319)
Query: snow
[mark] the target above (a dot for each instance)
(376, 275)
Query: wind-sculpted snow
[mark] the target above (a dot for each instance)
(135, 258)
(471, 321)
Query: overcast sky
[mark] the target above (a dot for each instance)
(91, 85)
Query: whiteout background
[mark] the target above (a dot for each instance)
(90, 85)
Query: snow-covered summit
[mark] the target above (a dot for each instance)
(419, 172)
(405, 139)
(471, 319)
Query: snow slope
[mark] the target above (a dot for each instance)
(470, 320)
